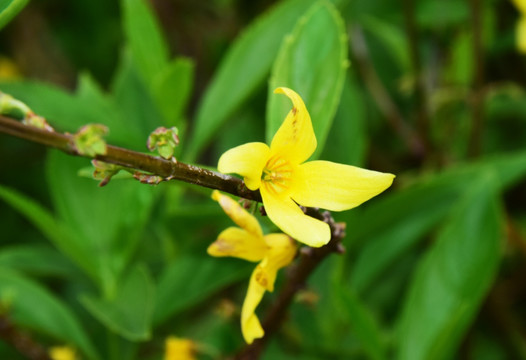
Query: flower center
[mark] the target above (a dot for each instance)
(277, 174)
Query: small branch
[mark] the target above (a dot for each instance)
(297, 276)
(21, 341)
(381, 96)
(420, 88)
(477, 108)
(132, 159)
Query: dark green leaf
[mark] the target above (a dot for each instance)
(243, 69)
(128, 311)
(312, 62)
(34, 307)
(453, 278)
(176, 293)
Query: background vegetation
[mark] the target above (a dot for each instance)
(430, 90)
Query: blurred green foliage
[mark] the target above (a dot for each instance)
(434, 267)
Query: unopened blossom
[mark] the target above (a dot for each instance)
(247, 242)
(285, 179)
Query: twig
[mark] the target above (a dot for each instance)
(420, 88)
(21, 341)
(478, 82)
(380, 95)
(310, 258)
(132, 159)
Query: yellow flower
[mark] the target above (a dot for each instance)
(62, 353)
(285, 180)
(521, 25)
(273, 252)
(179, 349)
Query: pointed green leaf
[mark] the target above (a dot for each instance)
(144, 36)
(244, 67)
(59, 234)
(128, 312)
(312, 62)
(208, 276)
(9, 9)
(454, 277)
(33, 306)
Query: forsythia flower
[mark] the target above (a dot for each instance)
(521, 25)
(62, 353)
(179, 349)
(273, 252)
(285, 180)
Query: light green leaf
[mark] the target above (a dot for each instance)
(9, 9)
(35, 307)
(176, 293)
(144, 36)
(171, 90)
(347, 137)
(128, 311)
(59, 234)
(243, 69)
(312, 62)
(454, 277)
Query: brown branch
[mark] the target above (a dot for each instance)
(21, 341)
(297, 276)
(381, 96)
(420, 88)
(132, 159)
(477, 105)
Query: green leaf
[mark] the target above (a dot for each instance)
(128, 312)
(363, 323)
(59, 234)
(37, 260)
(243, 69)
(393, 38)
(134, 99)
(461, 67)
(108, 221)
(176, 293)
(388, 234)
(312, 62)
(171, 90)
(144, 36)
(454, 277)
(34, 307)
(348, 138)
(9, 9)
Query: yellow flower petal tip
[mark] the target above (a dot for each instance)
(286, 179)
(176, 348)
(62, 353)
(273, 252)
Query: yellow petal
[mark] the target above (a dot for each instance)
(62, 353)
(335, 186)
(179, 349)
(246, 160)
(238, 243)
(250, 325)
(239, 215)
(521, 5)
(282, 250)
(295, 139)
(521, 35)
(286, 214)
